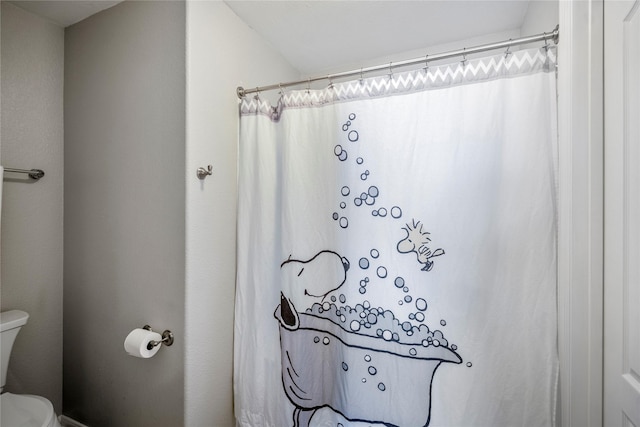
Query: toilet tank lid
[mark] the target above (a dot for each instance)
(12, 319)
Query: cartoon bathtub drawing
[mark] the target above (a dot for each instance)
(364, 378)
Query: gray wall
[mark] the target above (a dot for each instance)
(124, 239)
(32, 137)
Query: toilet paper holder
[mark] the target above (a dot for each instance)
(167, 338)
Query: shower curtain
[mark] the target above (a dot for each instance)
(397, 250)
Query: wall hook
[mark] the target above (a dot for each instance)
(203, 173)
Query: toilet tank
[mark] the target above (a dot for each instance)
(10, 324)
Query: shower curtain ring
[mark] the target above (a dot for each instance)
(308, 85)
(507, 52)
(546, 43)
(464, 57)
(426, 64)
(390, 71)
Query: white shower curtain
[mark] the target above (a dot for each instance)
(397, 250)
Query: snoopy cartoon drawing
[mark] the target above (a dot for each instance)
(306, 282)
(417, 241)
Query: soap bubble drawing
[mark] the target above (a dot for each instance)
(340, 153)
(382, 212)
(399, 282)
(396, 212)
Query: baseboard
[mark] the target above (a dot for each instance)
(69, 422)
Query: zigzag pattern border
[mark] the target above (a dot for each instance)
(517, 63)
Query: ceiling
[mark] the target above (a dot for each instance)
(321, 34)
(65, 12)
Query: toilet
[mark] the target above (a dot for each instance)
(20, 410)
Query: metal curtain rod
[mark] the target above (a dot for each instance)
(33, 173)
(553, 35)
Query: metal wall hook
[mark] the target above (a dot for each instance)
(203, 173)
(167, 338)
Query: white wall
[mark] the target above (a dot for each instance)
(580, 211)
(124, 213)
(32, 223)
(542, 16)
(401, 56)
(222, 53)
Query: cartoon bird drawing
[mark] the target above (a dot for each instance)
(417, 241)
(306, 282)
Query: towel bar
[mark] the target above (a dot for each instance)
(33, 173)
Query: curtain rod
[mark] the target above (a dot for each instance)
(553, 35)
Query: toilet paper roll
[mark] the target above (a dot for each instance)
(137, 341)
